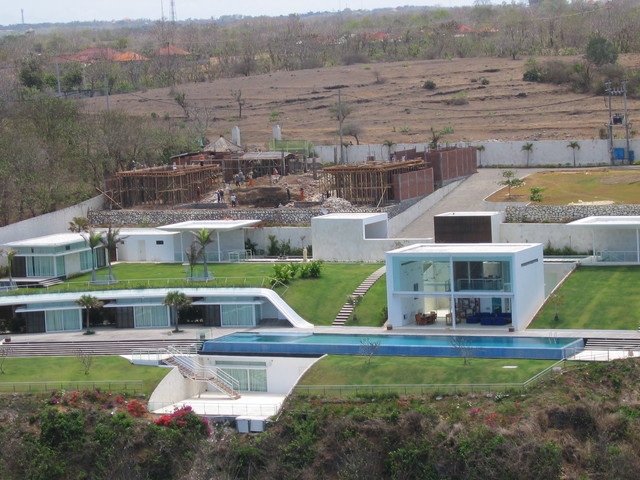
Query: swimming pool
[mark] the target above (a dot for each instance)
(296, 343)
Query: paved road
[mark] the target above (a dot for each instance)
(467, 197)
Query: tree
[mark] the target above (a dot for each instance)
(352, 130)
(237, 96)
(176, 300)
(111, 240)
(89, 303)
(368, 348)
(462, 346)
(340, 111)
(601, 51)
(203, 238)
(86, 360)
(10, 254)
(193, 254)
(79, 224)
(573, 146)
(535, 194)
(510, 181)
(558, 301)
(528, 147)
(93, 240)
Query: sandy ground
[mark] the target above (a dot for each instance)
(398, 109)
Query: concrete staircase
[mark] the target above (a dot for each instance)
(347, 309)
(98, 347)
(612, 344)
(185, 361)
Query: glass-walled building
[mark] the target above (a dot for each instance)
(489, 284)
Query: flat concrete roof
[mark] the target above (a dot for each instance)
(141, 232)
(53, 240)
(351, 216)
(465, 248)
(195, 225)
(608, 222)
(468, 214)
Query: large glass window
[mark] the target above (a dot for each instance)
(85, 260)
(249, 380)
(151, 316)
(479, 275)
(237, 315)
(40, 267)
(62, 320)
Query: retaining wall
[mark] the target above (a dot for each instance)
(565, 213)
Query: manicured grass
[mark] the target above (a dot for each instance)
(603, 298)
(369, 312)
(318, 300)
(65, 369)
(567, 186)
(354, 370)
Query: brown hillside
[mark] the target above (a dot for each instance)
(396, 107)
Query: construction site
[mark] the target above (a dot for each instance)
(162, 186)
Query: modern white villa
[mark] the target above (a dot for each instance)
(614, 239)
(487, 284)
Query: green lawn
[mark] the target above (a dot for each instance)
(64, 369)
(354, 370)
(603, 298)
(370, 311)
(317, 300)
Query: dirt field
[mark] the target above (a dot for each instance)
(397, 109)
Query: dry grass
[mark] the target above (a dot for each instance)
(563, 187)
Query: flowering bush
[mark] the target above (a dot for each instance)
(185, 418)
(136, 408)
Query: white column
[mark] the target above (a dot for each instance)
(452, 287)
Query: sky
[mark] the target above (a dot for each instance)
(54, 11)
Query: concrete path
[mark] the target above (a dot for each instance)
(467, 197)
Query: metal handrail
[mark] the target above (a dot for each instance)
(188, 361)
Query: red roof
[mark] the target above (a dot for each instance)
(130, 57)
(89, 55)
(171, 50)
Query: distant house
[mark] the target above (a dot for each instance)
(170, 50)
(484, 283)
(53, 256)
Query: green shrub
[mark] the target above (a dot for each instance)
(429, 85)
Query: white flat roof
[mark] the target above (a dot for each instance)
(53, 240)
(195, 225)
(352, 216)
(141, 231)
(468, 214)
(608, 221)
(465, 248)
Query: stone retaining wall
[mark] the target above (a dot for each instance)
(565, 213)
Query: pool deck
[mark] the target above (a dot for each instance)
(107, 333)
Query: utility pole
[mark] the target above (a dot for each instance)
(340, 120)
(618, 119)
(173, 11)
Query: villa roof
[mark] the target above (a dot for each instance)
(612, 221)
(171, 50)
(465, 248)
(54, 240)
(195, 225)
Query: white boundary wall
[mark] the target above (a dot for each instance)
(543, 153)
(49, 223)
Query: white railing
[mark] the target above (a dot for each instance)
(614, 256)
(187, 359)
(209, 408)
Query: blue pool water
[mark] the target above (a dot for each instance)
(294, 343)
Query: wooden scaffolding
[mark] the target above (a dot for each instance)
(166, 185)
(369, 183)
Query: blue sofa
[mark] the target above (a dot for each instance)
(487, 318)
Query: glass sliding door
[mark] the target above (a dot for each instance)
(151, 316)
(63, 320)
(237, 315)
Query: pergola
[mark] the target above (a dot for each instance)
(614, 230)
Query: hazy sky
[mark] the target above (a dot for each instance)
(41, 11)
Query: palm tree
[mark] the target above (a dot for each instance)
(111, 240)
(193, 254)
(528, 147)
(10, 254)
(89, 302)
(203, 238)
(480, 149)
(79, 224)
(176, 300)
(93, 239)
(573, 146)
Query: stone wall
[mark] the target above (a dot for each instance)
(565, 213)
